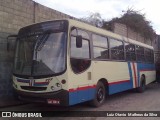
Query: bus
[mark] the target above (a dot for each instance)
(66, 62)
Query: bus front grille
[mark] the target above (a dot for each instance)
(30, 88)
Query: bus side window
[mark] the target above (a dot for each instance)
(140, 53)
(83, 52)
(80, 57)
(117, 49)
(130, 52)
(84, 34)
(100, 47)
(149, 55)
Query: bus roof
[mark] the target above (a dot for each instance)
(101, 31)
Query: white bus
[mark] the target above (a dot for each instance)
(66, 62)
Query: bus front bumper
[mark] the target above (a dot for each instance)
(60, 98)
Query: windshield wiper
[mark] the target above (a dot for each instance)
(39, 45)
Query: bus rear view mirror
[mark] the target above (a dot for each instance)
(79, 41)
(10, 37)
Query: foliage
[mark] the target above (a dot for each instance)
(94, 19)
(135, 21)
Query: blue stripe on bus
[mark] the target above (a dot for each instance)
(115, 88)
(81, 96)
(144, 66)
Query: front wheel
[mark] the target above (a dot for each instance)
(99, 96)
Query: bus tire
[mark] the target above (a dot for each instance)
(100, 95)
(142, 86)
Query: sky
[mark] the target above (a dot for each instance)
(107, 8)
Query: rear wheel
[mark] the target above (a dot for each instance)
(99, 96)
(142, 86)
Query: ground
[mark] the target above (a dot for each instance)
(125, 101)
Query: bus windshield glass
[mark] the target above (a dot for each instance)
(41, 50)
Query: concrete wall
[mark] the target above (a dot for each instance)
(15, 14)
(126, 31)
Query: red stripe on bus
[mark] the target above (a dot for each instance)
(146, 70)
(134, 70)
(94, 86)
(119, 82)
(82, 88)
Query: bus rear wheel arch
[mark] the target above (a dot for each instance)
(100, 95)
(142, 86)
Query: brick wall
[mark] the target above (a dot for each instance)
(43, 13)
(123, 30)
(15, 14)
(120, 29)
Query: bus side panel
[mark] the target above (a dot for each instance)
(118, 84)
(81, 86)
(81, 95)
(116, 73)
(135, 72)
(148, 70)
(119, 87)
(116, 87)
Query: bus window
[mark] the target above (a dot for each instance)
(100, 47)
(74, 32)
(140, 53)
(82, 52)
(117, 49)
(80, 56)
(84, 34)
(130, 52)
(149, 57)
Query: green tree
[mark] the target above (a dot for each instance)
(135, 21)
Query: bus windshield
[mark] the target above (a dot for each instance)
(40, 53)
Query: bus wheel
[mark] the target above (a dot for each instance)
(142, 86)
(99, 96)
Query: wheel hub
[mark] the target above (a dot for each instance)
(100, 95)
